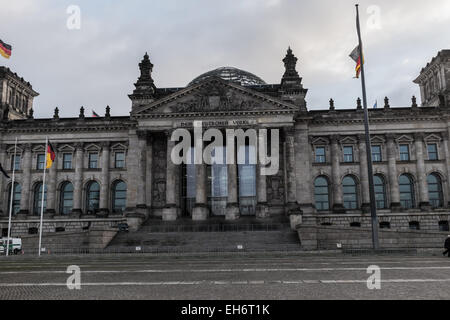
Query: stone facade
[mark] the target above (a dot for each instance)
(120, 167)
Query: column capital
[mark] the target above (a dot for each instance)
(445, 135)
(142, 134)
(79, 146)
(335, 138)
(419, 136)
(361, 138)
(27, 147)
(390, 137)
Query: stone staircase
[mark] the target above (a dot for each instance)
(214, 235)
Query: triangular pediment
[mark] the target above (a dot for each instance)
(214, 96)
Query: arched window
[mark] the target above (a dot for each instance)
(406, 187)
(322, 194)
(380, 192)
(66, 203)
(17, 194)
(92, 197)
(119, 196)
(435, 191)
(38, 198)
(350, 194)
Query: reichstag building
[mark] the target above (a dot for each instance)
(120, 167)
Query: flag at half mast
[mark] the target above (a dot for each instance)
(355, 55)
(51, 155)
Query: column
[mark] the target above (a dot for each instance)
(149, 176)
(446, 144)
(26, 181)
(171, 211)
(393, 176)
(232, 211)
(338, 206)
(303, 180)
(104, 187)
(51, 187)
(4, 209)
(364, 174)
(200, 211)
(78, 181)
(292, 206)
(421, 174)
(142, 173)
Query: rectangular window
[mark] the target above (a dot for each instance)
(67, 161)
(432, 152)
(119, 160)
(15, 162)
(376, 154)
(320, 155)
(40, 162)
(93, 160)
(348, 154)
(404, 152)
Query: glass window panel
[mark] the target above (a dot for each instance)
(432, 152)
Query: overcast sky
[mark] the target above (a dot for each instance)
(98, 64)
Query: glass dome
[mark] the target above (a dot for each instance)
(231, 74)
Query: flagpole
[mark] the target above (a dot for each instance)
(12, 197)
(43, 196)
(373, 207)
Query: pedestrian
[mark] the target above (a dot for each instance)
(447, 246)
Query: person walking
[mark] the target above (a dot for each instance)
(447, 246)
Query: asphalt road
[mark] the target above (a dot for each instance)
(229, 277)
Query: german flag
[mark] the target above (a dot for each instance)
(355, 55)
(5, 49)
(51, 155)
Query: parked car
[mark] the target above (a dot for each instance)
(15, 245)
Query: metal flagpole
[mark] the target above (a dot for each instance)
(373, 207)
(42, 197)
(12, 197)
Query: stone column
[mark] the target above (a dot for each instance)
(446, 144)
(232, 211)
(393, 176)
(200, 211)
(421, 174)
(132, 161)
(4, 209)
(149, 171)
(364, 174)
(292, 205)
(26, 181)
(171, 211)
(51, 187)
(105, 188)
(338, 206)
(141, 206)
(78, 182)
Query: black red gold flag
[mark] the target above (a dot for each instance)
(51, 155)
(5, 49)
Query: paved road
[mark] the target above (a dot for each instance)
(264, 276)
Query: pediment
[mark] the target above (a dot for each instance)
(66, 148)
(405, 138)
(320, 141)
(377, 140)
(432, 138)
(348, 140)
(214, 96)
(92, 147)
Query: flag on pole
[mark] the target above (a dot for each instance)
(51, 155)
(356, 57)
(5, 49)
(94, 114)
(3, 171)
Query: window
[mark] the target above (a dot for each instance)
(93, 160)
(355, 225)
(322, 194)
(432, 152)
(33, 230)
(320, 155)
(443, 226)
(414, 225)
(119, 160)
(350, 195)
(435, 191)
(380, 192)
(66, 198)
(67, 161)
(17, 194)
(385, 225)
(15, 162)
(376, 154)
(348, 154)
(406, 187)
(404, 152)
(92, 197)
(119, 196)
(40, 162)
(60, 229)
(38, 199)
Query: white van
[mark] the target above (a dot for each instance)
(15, 245)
